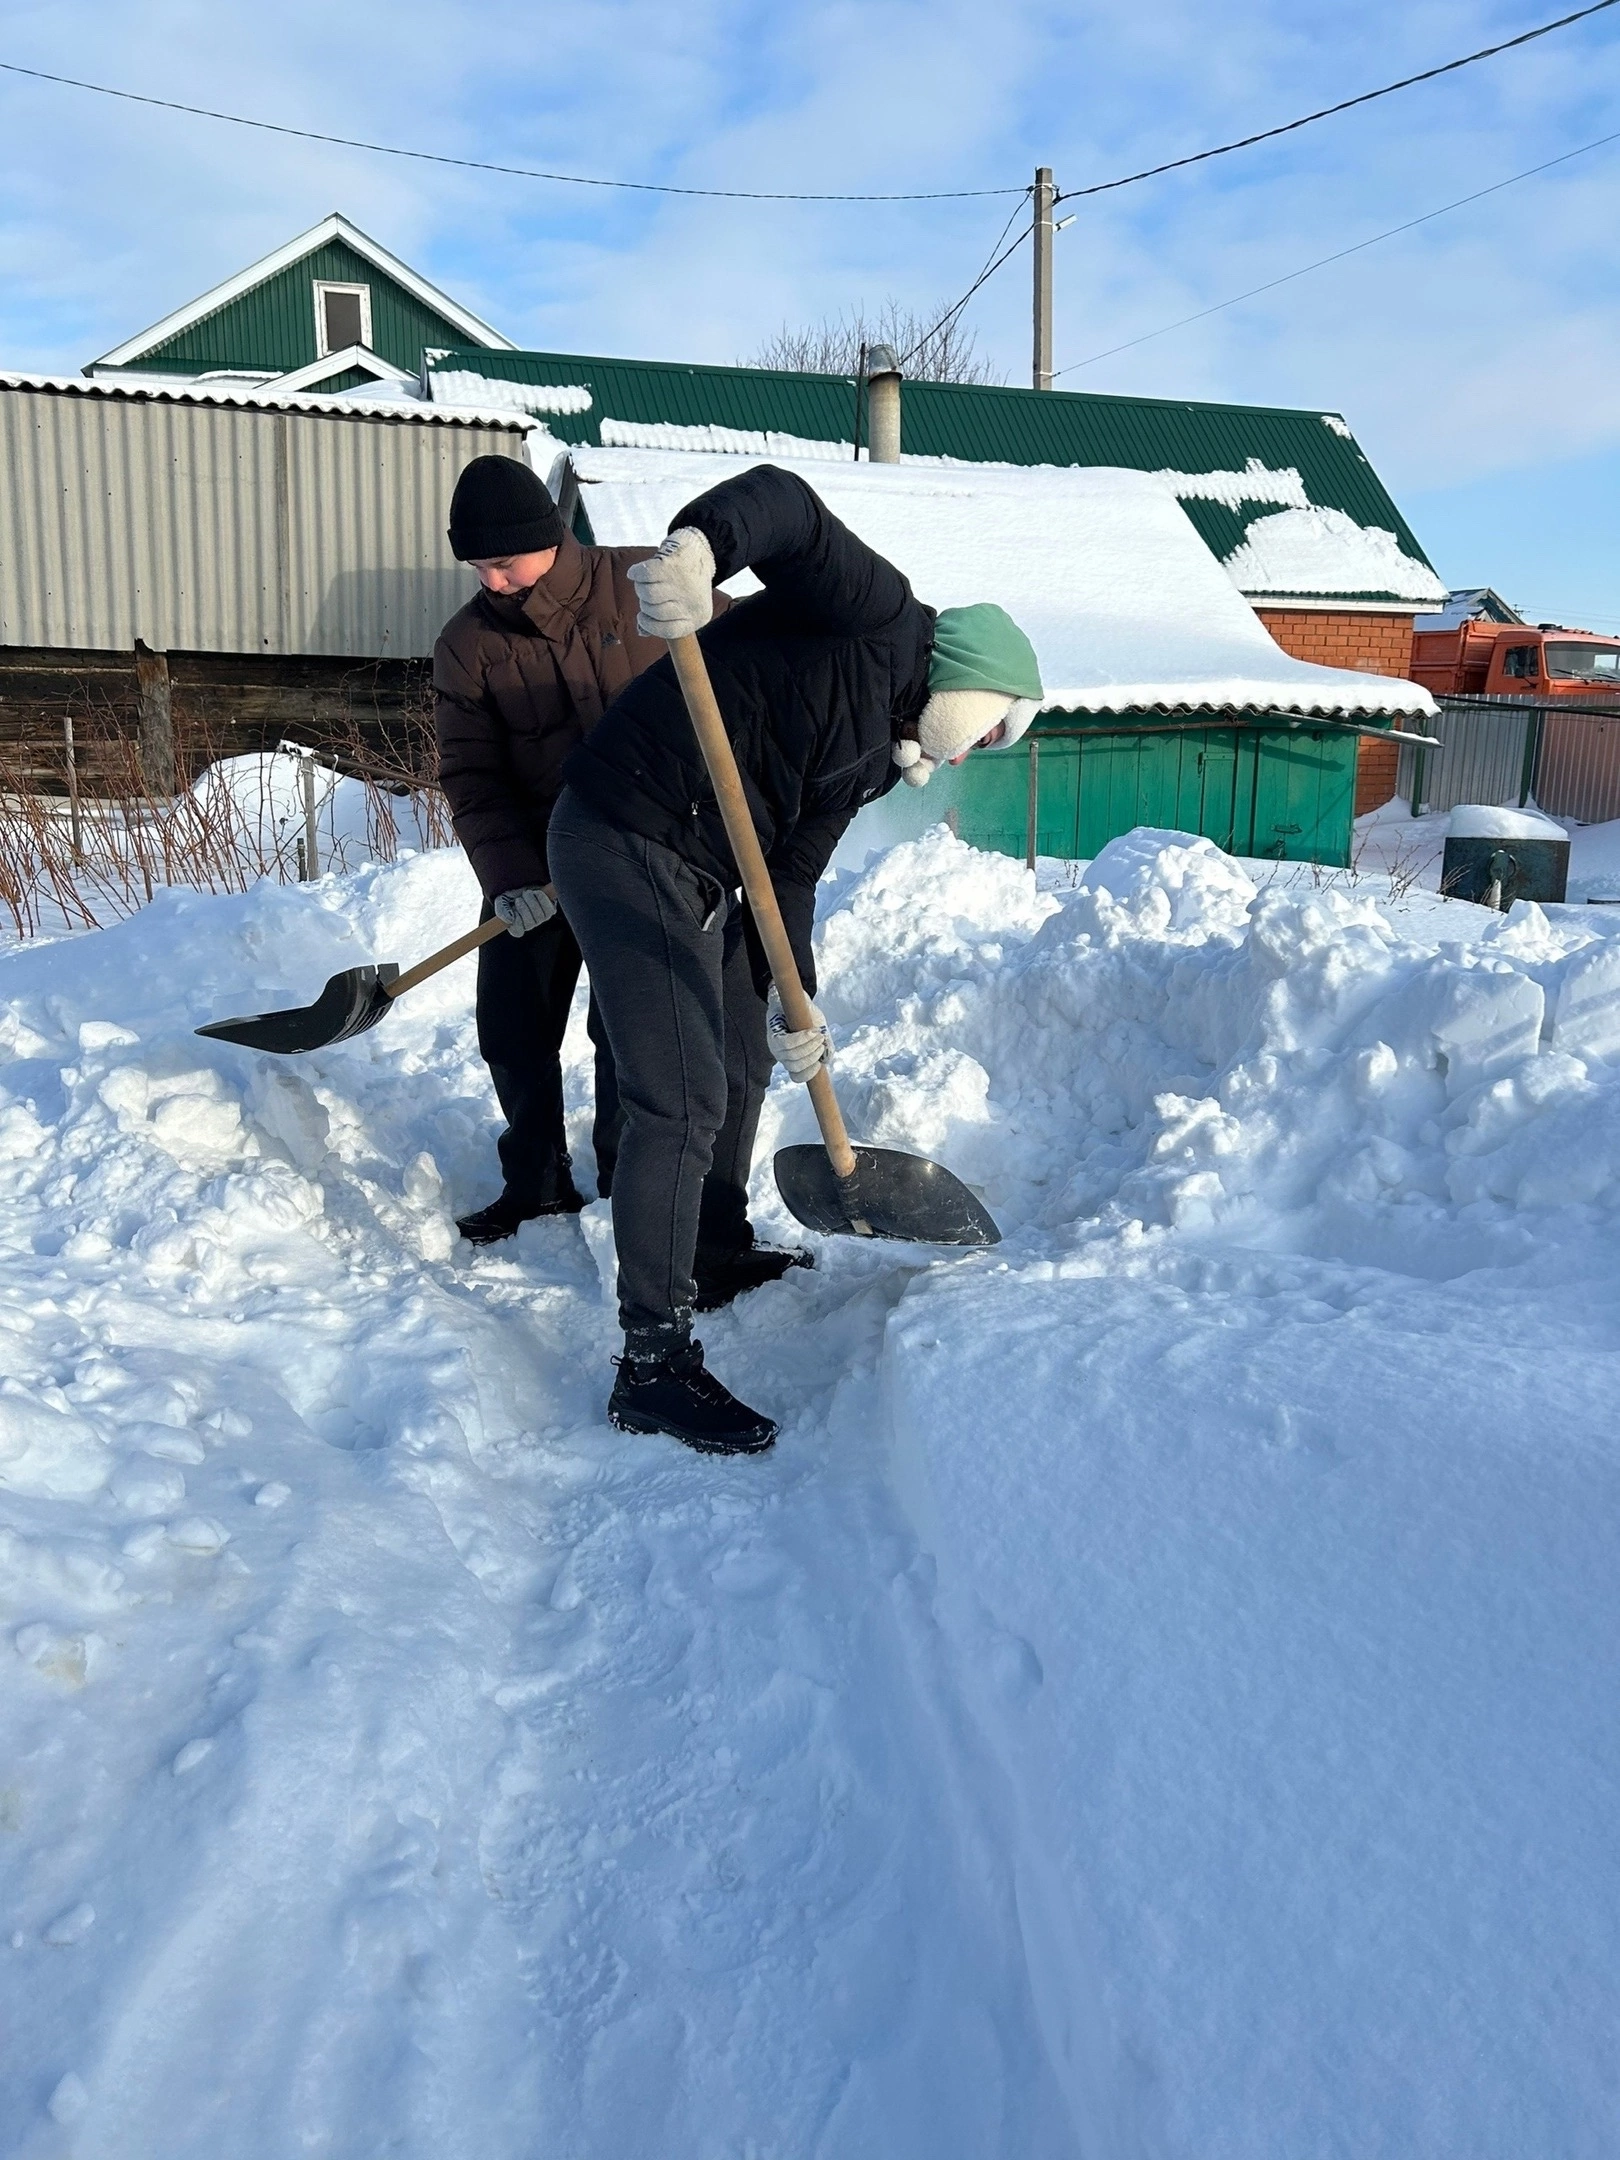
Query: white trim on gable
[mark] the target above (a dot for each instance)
(353, 356)
(335, 227)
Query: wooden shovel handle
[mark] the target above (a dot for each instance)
(494, 928)
(718, 756)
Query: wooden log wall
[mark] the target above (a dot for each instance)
(173, 713)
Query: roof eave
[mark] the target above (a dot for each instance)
(352, 356)
(1360, 603)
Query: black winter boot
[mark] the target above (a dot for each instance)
(504, 1217)
(672, 1391)
(718, 1277)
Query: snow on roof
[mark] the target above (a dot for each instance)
(387, 401)
(1126, 607)
(740, 442)
(452, 386)
(1469, 603)
(1256, 483)
(1310, 550)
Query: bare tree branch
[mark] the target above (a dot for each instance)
(945, 353)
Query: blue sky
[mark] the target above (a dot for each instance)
(1474, 357)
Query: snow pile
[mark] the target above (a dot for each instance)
(1153, 1699)
(1272, 1476)
(1126, 607)
(1176, 1048)
(1490, 821)
(1311, 550)
(259, 799)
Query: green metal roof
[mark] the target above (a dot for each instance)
(981, 424)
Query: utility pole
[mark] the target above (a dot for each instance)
(1044, 194)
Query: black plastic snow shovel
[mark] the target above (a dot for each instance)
(351, 1002)
(859, 1191)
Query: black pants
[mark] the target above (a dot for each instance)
(669, 968)
(525, 988)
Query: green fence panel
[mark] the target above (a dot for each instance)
(1281, 792)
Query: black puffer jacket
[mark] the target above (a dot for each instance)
(813, 675)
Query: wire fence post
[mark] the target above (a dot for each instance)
(310, 854)
(75, 828)
(1535, 727)
(1420, 770)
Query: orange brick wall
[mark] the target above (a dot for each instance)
(1372, 645)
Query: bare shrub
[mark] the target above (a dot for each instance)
(221, 834)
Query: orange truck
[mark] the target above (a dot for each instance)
(1540, 660)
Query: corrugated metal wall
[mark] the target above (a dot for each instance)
(1495, 753)
(227, 528)
(1482, 761)
(1578, 774)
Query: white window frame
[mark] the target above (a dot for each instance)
(323, 286)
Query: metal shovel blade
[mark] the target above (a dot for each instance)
(901, 1196)
(351, 1002)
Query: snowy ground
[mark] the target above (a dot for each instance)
(1156, 1700)
(1393, 843)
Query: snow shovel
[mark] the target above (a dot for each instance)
(860, 1191)
(351, 1002)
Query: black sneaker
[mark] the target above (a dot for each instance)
(675, 1393)
(504, 1217)
(718, 1277)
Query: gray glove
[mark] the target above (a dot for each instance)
(525, 907)
(803, 1051)
(676, 586)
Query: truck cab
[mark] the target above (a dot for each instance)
(1541, 660)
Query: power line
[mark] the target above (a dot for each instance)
(655, 187)
(1288, 276)
(514, 172)
(993, 262)
(1247, 142)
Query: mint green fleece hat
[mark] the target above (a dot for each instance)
(982, 648)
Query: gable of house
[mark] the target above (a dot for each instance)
(1286, 500)
(333, 294)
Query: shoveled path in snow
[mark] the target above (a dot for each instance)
(408, 1763)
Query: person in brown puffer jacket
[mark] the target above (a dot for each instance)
(521, 675)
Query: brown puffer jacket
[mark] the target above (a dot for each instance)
(516, 685)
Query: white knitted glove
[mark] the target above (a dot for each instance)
(525, 907)
(803, 1051)
(676, 586)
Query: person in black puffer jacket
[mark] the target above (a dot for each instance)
(835, 682)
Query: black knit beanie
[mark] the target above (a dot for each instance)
(501, 508)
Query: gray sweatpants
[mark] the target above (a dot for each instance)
(669, 969)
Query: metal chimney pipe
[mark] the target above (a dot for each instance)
(883, 404)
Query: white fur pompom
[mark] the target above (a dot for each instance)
(919, 773)
(904, 751)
